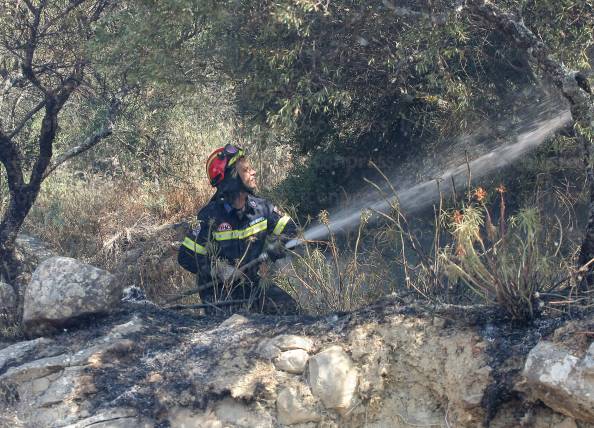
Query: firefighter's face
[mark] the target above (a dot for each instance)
(247, 173)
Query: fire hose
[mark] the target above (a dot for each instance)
(262, 258)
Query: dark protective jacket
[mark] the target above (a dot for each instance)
(225, 233)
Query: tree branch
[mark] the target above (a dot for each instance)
(90, 142)
(31, 46)
(568, 81)
(28, 117)
(49, 125)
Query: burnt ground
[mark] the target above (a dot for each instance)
(152, 376)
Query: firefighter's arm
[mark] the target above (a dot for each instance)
(193, 253)
(280, 224)
(282, 229)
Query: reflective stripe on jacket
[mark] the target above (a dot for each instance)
(227, 234)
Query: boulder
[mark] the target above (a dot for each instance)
(292, 361)
(63, 289)
(296, 405)
(333, 378)
(562, 381)
(7, 300)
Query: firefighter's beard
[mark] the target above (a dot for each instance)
(247, 188)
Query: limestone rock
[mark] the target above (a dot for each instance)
(286, 342)
(293, 361)
(7, 300)
(267, 350)
(295, 406)
(14, 354)
(33, 248)
(234, 321)
(560, 380)
(186, 418)
(114, 418)
(333, 378)
(270, 349)
(63, 288)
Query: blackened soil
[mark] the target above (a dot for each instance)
(152, 376)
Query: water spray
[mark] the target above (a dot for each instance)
(421, 195)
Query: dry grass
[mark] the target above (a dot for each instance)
(323, 277)
(119, 225)
(520, 263)
(126, 224)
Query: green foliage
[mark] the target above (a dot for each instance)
(354, 77)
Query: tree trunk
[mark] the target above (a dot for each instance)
(22, 195)
(19, 206)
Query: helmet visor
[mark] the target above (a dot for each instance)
(233, 153)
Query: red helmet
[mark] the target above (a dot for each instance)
(221, 159)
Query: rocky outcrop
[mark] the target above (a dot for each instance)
(388, 367)
(50, 382)
(15, 354)
(561, 380)
(62, 289)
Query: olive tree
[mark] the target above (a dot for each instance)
(44, 62)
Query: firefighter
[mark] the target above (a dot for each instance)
(232, 231)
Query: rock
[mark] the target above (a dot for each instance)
(7, 300)
(33, 250)
(295, 406)
(560, 380)
(567, 423)
(48, 388)
(62, 289)
(234, 321)
(333, 378)
(270, 349)
(186, 418)
(267, 350)
(14, 354)
(287, 342)
(114, 418)
(292, 361)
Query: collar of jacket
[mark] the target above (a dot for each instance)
(249, 205)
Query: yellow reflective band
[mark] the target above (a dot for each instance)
(241, 234)
(280, 225)
(193, 246)
(235, 158)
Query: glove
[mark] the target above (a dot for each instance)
(276, 249)
(223, 271)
